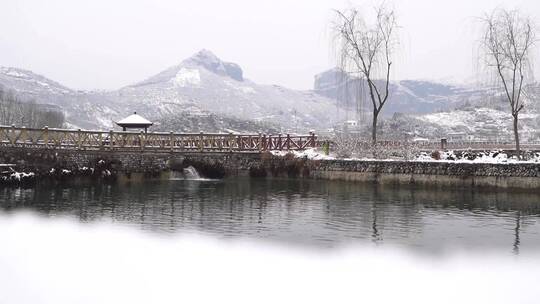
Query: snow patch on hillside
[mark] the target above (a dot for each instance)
(14, 73)
(187, 78)
(247, 90)
(465, 119)
(239, 87)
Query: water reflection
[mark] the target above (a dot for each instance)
(305, 212)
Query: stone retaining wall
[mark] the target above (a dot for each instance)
(524, 176)
(50, 164)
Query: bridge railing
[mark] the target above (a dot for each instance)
(163, 142)
(472, 145)
(396, 145)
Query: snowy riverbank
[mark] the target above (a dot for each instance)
(484, 157)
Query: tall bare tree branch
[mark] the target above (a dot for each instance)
(508, 42)
(366, 52)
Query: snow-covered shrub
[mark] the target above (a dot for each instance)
(345, 146)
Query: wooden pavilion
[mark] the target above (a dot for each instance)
(135, 121)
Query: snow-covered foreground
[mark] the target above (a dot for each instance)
(59, 261)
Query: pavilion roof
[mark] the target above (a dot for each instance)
(134, 120)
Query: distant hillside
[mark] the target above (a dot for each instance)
(406, 96)
(434, 110)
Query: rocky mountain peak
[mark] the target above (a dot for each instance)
(205, 56)
(208, 60)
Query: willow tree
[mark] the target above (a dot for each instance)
(365, 52)
(508, 43)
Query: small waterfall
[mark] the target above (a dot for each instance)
(191, 173)
(176, 175)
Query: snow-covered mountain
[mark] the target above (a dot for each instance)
(406, 96)
(202, 85)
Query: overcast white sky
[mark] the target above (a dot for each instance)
(106, 44)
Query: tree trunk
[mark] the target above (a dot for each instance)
(516, 135)
(374, 128)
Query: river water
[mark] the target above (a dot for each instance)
(311, 214)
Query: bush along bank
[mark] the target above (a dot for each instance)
(288, 165)
(28, 174)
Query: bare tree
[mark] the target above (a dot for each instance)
(15, 111)
(508, 42)
(8, 103)
(365, 51)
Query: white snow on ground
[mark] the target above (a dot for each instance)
(21, 175)
(187, 78)
(313, 153)
(493, 157)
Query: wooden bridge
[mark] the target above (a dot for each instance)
(208, 142)
(154, 142)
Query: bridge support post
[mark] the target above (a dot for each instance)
(288, 142)
(263, 143)
(313, 139)
(111, 140)
(201, 143)
(12, 138)
(22, 134)
(79, 139)
(142, 141)
(240, 143)
(100, 141)
(444, 143)
(231, 141)
(46, 136)
(171, 140)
